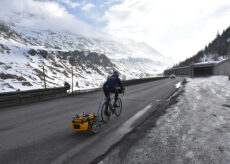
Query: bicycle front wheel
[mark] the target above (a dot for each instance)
(105, 113)
(119, 108)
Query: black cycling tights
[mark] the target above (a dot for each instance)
(107, 93)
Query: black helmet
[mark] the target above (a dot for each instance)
(116, 74)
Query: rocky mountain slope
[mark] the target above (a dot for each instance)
(217, 50)
(25, 51)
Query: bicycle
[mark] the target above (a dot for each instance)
(108, 108)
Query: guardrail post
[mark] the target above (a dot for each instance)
(19, 98)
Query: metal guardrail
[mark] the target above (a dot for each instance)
(124, 82)
(23, 97)
(138, 81)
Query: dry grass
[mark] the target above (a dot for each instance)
(10, 76)
(26, 83)
(39, 73)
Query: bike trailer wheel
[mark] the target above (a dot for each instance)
(95, 127)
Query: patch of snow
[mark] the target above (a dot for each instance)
(86, 54)
(206, 62)
(178, 85)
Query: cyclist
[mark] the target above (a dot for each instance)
(113, 85)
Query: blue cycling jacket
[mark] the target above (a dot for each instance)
(112, 82)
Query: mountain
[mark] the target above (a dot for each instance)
(25, 51)
(217, 50)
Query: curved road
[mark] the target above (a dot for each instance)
(40, 132)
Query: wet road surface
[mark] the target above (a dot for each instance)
(40, 132)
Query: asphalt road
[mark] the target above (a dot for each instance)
(40, 133)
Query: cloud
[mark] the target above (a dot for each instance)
(44, 15)
(176, 28)
(44, 8)
(87, 6)
(70, 3)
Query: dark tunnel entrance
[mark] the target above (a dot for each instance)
(202, 71)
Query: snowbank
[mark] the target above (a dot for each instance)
(195, 130)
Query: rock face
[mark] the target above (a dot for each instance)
(55, 55)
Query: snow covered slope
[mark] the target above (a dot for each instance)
(25, 50)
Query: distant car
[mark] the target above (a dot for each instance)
(172, 76)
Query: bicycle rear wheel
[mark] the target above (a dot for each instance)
(105, 113)
(119, 108)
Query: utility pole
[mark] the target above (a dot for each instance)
(72, 79)
(72, 61)
(44, 76)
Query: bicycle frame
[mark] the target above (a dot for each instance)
(107, 103)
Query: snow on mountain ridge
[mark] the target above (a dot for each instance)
(95, 58)
(28, 24)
